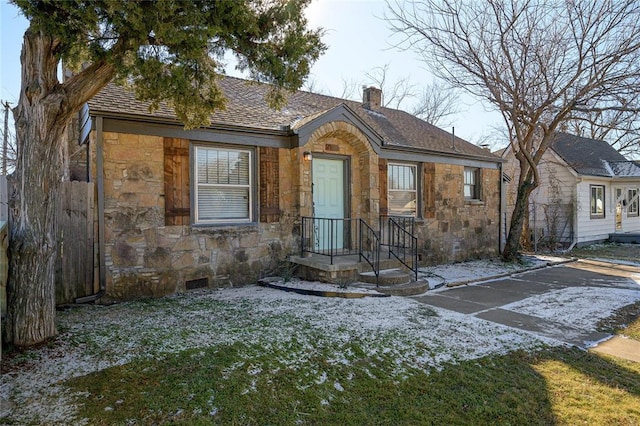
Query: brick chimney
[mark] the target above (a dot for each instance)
(371, 97)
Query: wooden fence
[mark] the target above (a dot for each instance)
(75, 272)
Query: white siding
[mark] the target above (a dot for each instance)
(594, 229)
(599, 229)
(552, 203)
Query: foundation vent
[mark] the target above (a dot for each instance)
(197, 283)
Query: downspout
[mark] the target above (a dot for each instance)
(574, 213)
(501, 218)
(100, 181)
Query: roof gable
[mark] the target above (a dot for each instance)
(586, 156)
(305, 127)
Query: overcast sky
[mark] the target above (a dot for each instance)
(359, 41)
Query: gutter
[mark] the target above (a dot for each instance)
(100, 181)
(457, 155)
(502, 212)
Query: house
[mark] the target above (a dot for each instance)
(225, 204)
(588, 192)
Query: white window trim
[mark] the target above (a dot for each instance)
(196, 185)
(632, 203)
(415, 185)
(476, 185)
(596, 215)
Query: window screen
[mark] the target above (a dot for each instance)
(402, 189)
(223, 185)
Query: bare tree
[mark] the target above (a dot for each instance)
(395, 93)
(539, 63)
(349, 89)
(619, 127)
(436, 104)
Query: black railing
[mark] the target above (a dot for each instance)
(330, 237)
(370, 247)
(397, 234)
(408, 223)
(346, 237)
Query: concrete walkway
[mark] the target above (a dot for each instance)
(488, 300)
(621, 347)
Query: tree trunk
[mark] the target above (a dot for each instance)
(520, 211)
(41, 119)
(43, 113)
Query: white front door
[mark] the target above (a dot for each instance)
(328, 203)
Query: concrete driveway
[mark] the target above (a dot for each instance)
(541, 301)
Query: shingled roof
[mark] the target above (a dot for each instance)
(246, 108)
(593, 157)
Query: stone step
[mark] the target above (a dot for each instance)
(384, 264)
(387, 277)
(412, 288)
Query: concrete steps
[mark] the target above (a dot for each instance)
(394, 282)
(394, 279)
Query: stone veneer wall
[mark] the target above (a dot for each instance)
(344, 140)
(456, 229)
(146, 258)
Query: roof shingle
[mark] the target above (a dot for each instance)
(247, 108)
(587, 156)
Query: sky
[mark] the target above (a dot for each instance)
(358, 41)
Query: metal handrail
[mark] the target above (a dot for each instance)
(402, 244)
(370, 248)
(408, 223)
(331, 237)
(335, 237)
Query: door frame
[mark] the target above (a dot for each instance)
(346, 181)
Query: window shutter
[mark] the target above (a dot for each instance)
(382, 176)
(429, 190)
(269, 185)
(176, 182)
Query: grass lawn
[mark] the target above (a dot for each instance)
(249, 383)
(629, 252)
(256, 356)
(242, 384)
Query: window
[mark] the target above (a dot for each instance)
(222, 185)
(597, 201)
(403, 194)
(471, 183)
(632, 208)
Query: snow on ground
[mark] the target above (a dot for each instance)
(94, 338)
(580, 307)
(481, 269)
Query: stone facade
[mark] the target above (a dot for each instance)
(455, 229)
(144, 257)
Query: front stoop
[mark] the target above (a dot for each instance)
(395, 282)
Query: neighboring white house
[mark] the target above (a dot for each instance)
(588, 192)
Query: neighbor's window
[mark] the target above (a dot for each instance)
(222, 185)
(471, 183)
(402, 188)
(597, 201)
(634, 201)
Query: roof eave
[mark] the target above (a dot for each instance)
(285, 130)
(493, 159)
